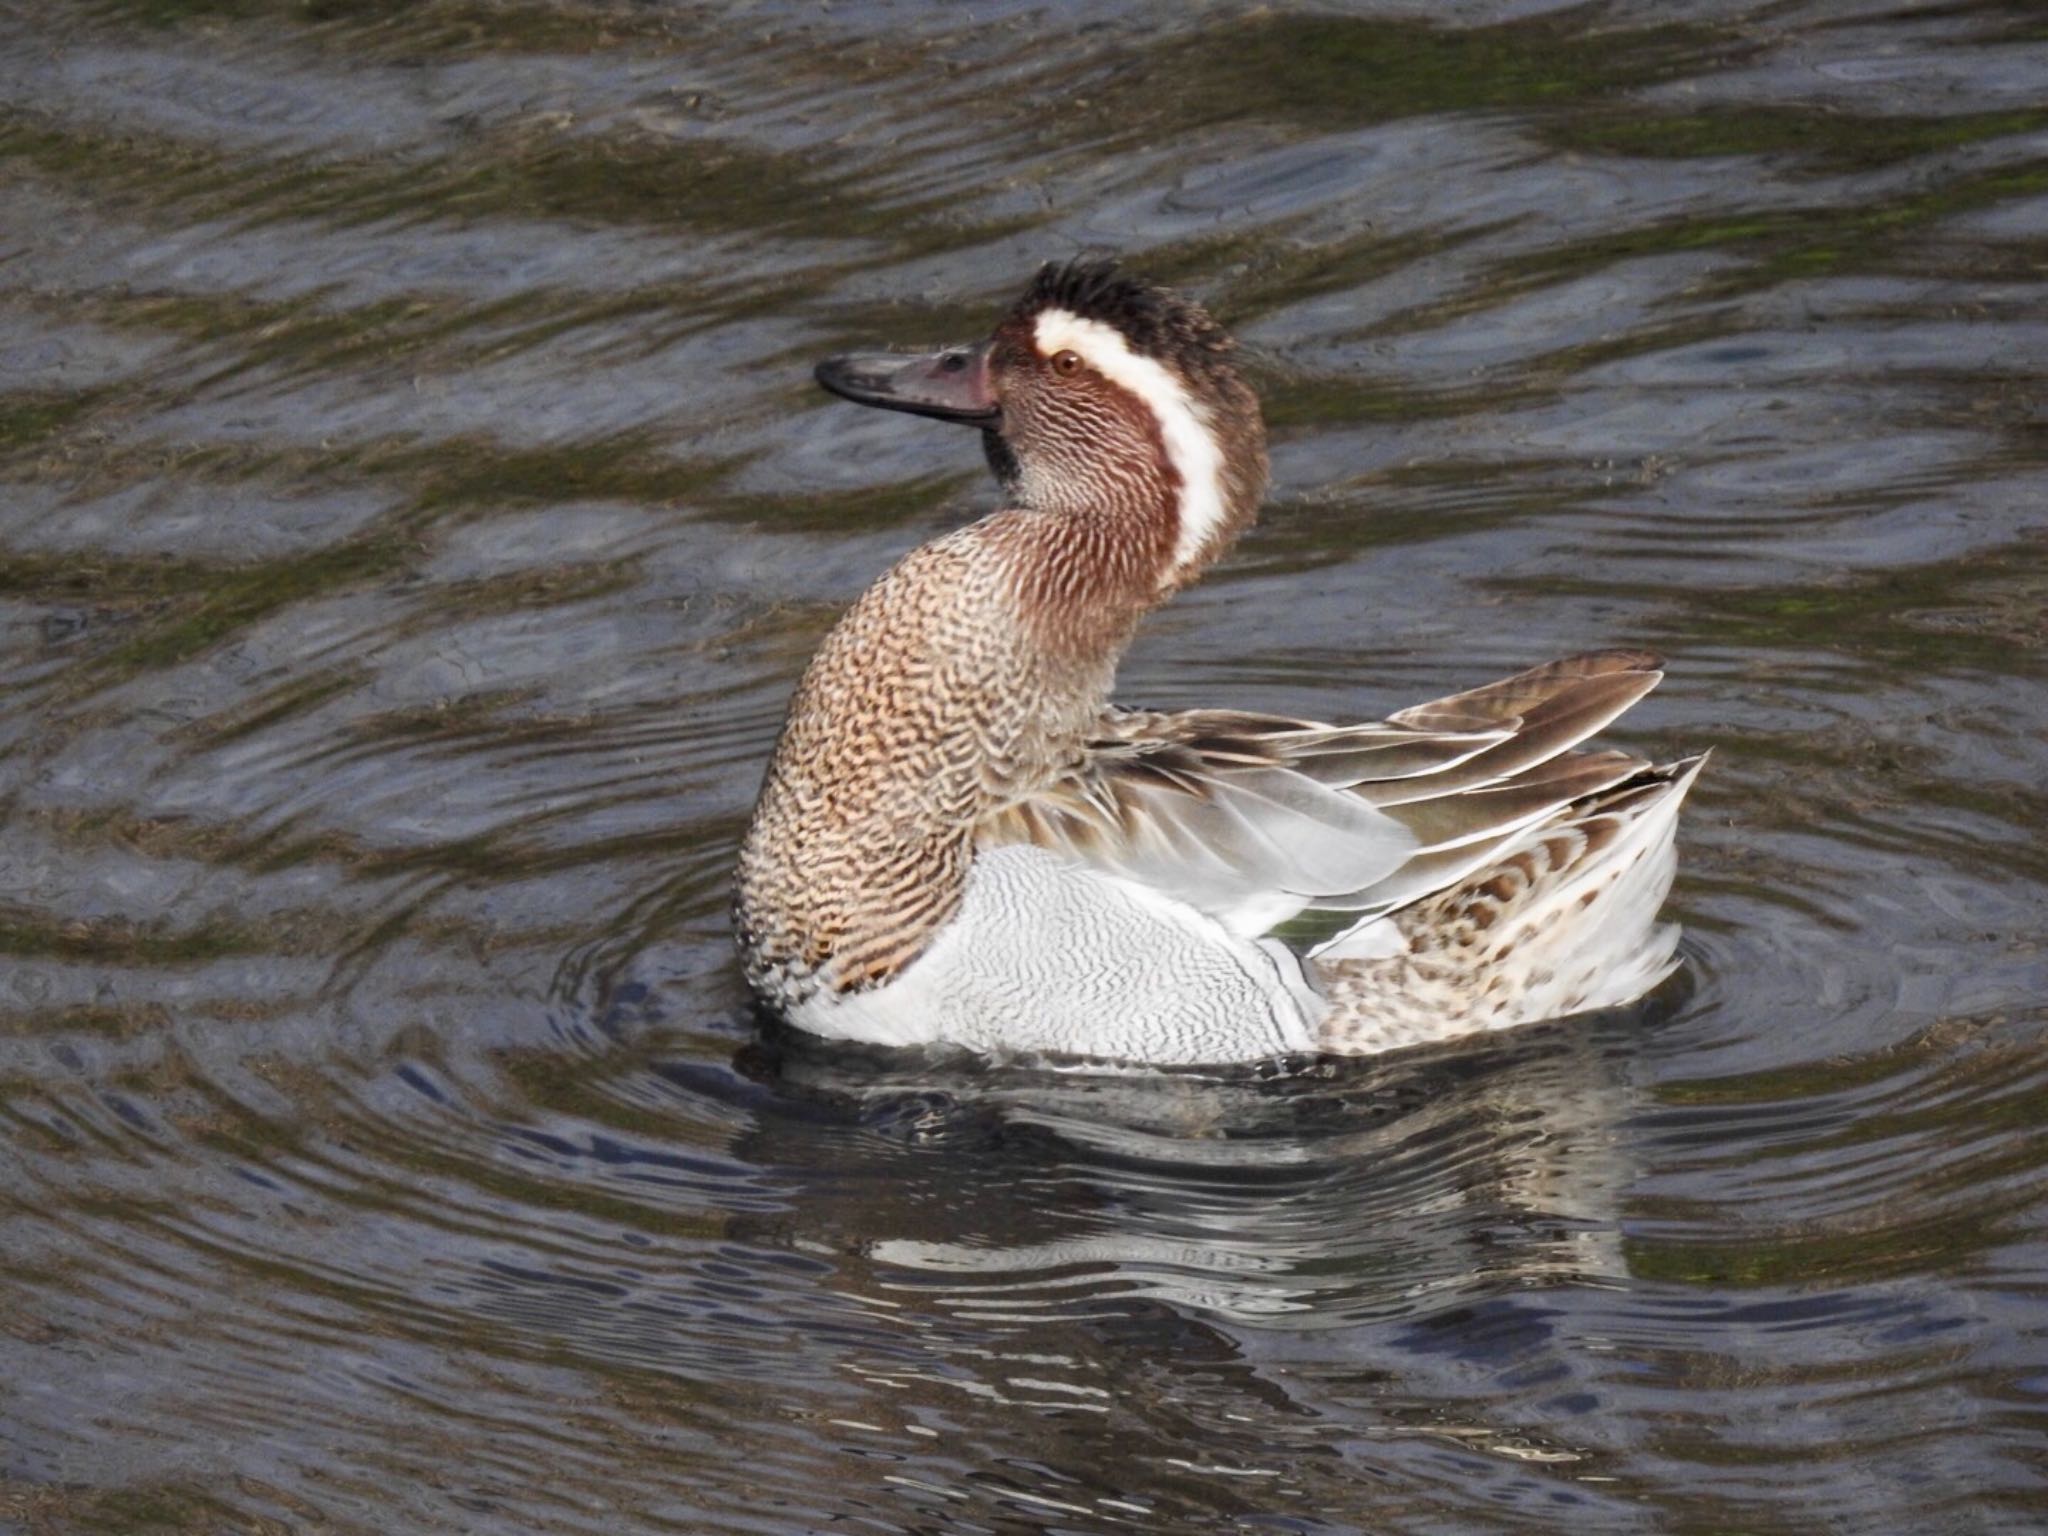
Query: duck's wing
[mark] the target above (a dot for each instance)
(1255, 818)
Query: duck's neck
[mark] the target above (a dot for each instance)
(969, 678)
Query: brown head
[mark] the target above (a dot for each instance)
(1103, 398)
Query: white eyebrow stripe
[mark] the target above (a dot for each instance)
(1190, 446)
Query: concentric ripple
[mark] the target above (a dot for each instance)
(414, 514)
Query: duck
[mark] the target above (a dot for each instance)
(960, 841)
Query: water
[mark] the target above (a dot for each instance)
(414, 513)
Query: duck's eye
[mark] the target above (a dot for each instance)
(1066, 364)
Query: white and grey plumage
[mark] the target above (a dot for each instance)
(961, 840)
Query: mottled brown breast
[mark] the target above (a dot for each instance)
(933, 702)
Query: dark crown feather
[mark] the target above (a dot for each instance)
(1154, 321)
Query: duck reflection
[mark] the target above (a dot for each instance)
(1396, 1263)
(1316, 1193)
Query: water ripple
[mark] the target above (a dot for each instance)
(413, 515)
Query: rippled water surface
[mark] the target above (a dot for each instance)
(414, 512)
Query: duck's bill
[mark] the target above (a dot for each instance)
(953, 385)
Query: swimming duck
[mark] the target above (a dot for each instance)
(961, 840)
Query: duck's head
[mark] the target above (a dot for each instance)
(1100, 396)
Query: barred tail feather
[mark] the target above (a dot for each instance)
(1563, 920)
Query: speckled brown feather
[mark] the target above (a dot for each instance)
(972, 675)
(895, 747)
(1499, 947)
(961, 706)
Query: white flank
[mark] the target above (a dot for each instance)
(1190, 446)
(1044, 955)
